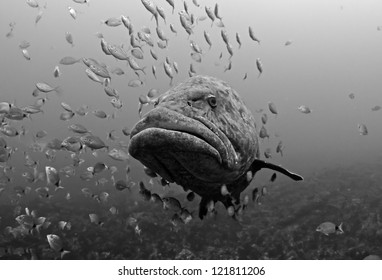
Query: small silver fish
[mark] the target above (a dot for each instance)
(93, 142)
(195, 47)
(69, 60)
(118, 155)
(238, 39)
(216, 12)
(223, 190)
(264, 118)
(263, 133)
(134, 65)
(112, 22)
(95, 219)
(268, 153)
(69, 38)
(161, 34)
(229, 49)
(207, 37)
(135, 83)
(172, 4)
(72, 12)
(66, 107)
(56, 72)
(196, 57)
(26, 54)
(171, 203)
(64, 116)
(41, 134)
(160, 11)
(172, 28)
(176, 68)
(137, 53)
(117, 52)
(259, 66)
(78, 128)
(56, 244)
(329, 228)
(53, 177)
(116, 103)
(43, 87)
(231, 211)
(118, 71)
(168, 71)
(224, 35)
(252, 35)
(92, 76)
(272, 108)
(280, 148)
(363, 129)
(210, 14)
(304, 109)
(150, 7)
(32, 3)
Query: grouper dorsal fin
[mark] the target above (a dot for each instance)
(260, 164)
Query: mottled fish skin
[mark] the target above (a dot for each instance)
(229, 130)
(201, 136)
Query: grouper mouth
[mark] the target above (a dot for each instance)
(166, 141)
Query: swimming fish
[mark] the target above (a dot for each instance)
(172, 4)
(56, 244)
(43, 87)
(53, 177)
(56, 72)
(272, 108)
(210, 14)
(93, 142)
(112, 22)
(69, 60)
(329, 228)
(252, 35)
(160, 11)
(280, 148)
(193, 121)
(362, 128)
(72, 12)
(149, 5)
(32, 3)
(304, 109)
(26, 54)
(69, 38)
(168, 71)
(259, 66)
(118, 155)
(238, 39)
(208, 38)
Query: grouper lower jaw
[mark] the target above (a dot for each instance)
(184, 133)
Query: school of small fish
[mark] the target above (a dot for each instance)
(44, 177)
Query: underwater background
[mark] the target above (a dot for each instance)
(321, 54)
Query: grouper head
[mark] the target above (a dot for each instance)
(201, 136)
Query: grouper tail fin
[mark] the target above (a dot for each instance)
(260, 164)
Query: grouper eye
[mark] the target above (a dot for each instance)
(212, 101)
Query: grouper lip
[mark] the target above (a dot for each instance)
(196, 130)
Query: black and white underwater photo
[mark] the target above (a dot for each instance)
(191, 130)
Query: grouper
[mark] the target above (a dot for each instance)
(201, 136)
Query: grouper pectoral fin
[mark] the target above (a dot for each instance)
(260, 164)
